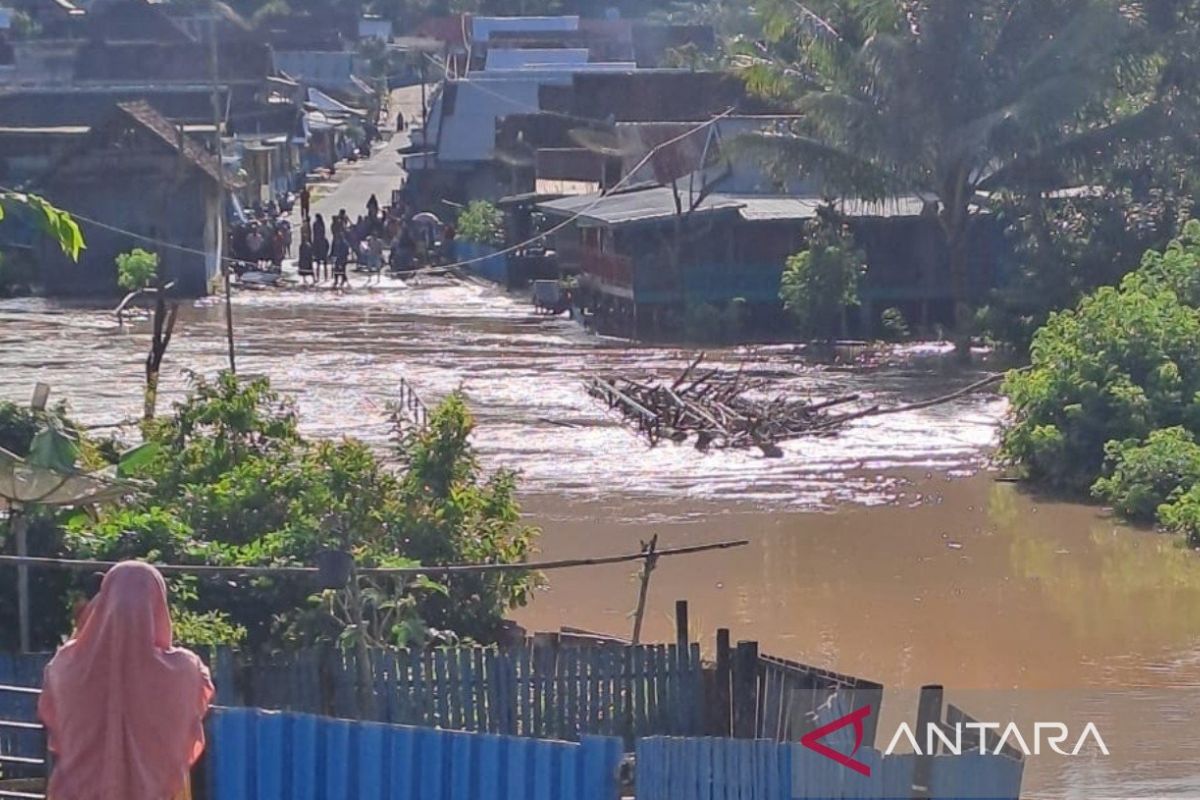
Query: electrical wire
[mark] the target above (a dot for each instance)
(162, 243)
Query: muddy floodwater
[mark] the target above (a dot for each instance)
(888, 551)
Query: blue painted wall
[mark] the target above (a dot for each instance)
(492, 267)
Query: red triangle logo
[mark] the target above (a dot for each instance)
(812, 740)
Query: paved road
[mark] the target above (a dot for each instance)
(379, 174)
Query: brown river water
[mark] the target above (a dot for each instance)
(888, 551)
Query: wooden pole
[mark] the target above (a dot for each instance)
(723, 719)
(19, 526)
(745, 691)
(651, 560)
(682, 639)
(220, 221)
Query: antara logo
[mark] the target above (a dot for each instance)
(812, 740)
(949, 739)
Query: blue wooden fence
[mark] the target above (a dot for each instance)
(743, 769)
(539, 689)
(257, 755)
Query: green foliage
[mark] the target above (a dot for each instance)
(233, 483)
(54, 222)
(1064, 249)
(1183, 515)
(1122, 365)
(1142, 477)
(136, 269)
(948, 98)
(482, 223)
(820, 282)
(895, 326)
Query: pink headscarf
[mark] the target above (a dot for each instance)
(123, 708)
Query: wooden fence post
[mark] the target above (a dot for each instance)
(929, 713)
(681, 625)
(720, 719)
(745, 691)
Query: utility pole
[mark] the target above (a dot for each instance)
(220, 222)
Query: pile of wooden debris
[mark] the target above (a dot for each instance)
(719, 408)
(729, 410)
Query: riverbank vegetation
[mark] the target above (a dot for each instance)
(1111, 401)
(228, 480)
(1068, 127)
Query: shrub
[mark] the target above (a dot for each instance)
(233, 483)
(1143, 477)
(820, 282)
(136, 269)
(895, 326)
(1183, 515)
(1123, 364)
(481, 223)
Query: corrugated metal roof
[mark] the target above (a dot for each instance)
(517, 58)
(659, 203)
(628, 208)
(483, 27)
(766, 208)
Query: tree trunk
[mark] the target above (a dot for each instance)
(164, 328)
(955, 221)
(151, 395)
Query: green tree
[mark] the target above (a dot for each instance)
(481, 222)
(820, 282)
(136, 269)
(949, 99)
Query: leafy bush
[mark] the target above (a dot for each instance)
(1123, 364)
(233, 483)
(820, 282)
(1183, 515)
(895, 326)
(136, 269)
(1143, 477)
(481, 223)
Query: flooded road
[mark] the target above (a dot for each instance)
(883, 552)
(342, 357)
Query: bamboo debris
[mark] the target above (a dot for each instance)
(720, 409)
(728, 410)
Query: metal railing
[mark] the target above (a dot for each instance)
(22, 775)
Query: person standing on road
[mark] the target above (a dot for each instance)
(340, 252)
(305, 202)
(321, 257)
(304, 264)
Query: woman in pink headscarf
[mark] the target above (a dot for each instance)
(123, 708)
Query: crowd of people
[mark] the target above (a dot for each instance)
(385, 237)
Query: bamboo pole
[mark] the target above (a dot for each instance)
(457, 569)
(651, 561)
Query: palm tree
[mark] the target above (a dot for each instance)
(951, 99)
